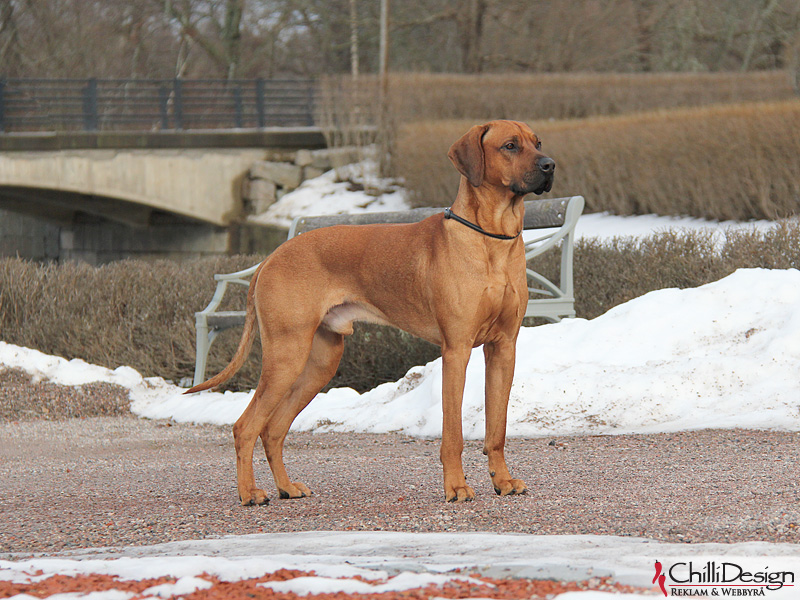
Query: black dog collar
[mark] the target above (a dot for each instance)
(449, 214)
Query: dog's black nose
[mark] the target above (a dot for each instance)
(546, 165)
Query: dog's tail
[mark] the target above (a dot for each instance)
(245, 343)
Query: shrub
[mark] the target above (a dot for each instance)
(130, 312)
(613, 272)
(142, 314)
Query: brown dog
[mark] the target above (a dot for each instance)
(456, 279)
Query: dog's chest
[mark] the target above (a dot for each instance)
(500, 308)
(503, 281)
(500, 297)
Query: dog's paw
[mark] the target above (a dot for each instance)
(255, 497)
(294, 490)
(460, 494)
(510, 487)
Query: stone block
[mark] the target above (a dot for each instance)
(341, 157)
(304, 158)
(277, 155)
(260, 194)
(334, 158)
(285, 175)
(310, 172)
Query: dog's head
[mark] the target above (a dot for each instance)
(504, 153)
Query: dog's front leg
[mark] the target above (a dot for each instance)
(454, 372)
(500, 357)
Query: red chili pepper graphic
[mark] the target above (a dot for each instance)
(660, 577)
(658, 571)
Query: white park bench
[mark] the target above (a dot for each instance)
(556, 218)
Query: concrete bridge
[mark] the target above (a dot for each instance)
(100, 196)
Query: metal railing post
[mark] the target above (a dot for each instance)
(163, 106)
(310, 118)
(260, 108)
(3, 104)
(90, 105)
(177, 103)
(238, 108)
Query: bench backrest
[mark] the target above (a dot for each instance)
(539, 214)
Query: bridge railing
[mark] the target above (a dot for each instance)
(154, 104)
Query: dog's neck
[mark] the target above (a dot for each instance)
(499, 213)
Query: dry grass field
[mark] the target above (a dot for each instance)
(573, 95)
(713, 145)
(436, 96)
(724, 161)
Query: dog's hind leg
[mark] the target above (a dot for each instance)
(326, 352)
(283, 361)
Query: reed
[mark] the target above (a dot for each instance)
(725, 161)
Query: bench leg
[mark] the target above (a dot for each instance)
(201, 354)
(205, 338)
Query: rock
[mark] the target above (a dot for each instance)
(304, 158)
(286, 175)
(275, 155)
(259, 193)
(310, 172)
(334, 158)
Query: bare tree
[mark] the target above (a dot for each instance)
(648, 14)
(215, 26)
(353, 39)
(761, 12)
(559, 35)
(791, 44)
(248, 38)
(10, 56)
(470, 30)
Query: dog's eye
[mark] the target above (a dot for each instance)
(538, 145)
(510, 146)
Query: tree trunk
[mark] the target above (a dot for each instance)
(232, 36)
(470, 30)
(10, 57)
(353, 39)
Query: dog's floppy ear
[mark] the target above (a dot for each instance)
(467, 154)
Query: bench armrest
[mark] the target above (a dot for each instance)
(565, 234)
(206, 333)
(542, 244)
(223, 279)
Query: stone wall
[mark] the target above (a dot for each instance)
(27, 237)
(104, 241)
(283, 171)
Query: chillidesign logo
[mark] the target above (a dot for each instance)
(719, 579)
(660, 578)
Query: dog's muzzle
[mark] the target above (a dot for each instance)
(538, 180)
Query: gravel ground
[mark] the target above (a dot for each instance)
(22, 397)
(96, 481)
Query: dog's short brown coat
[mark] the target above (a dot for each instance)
(437, 279)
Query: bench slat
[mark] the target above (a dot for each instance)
(225, 319)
